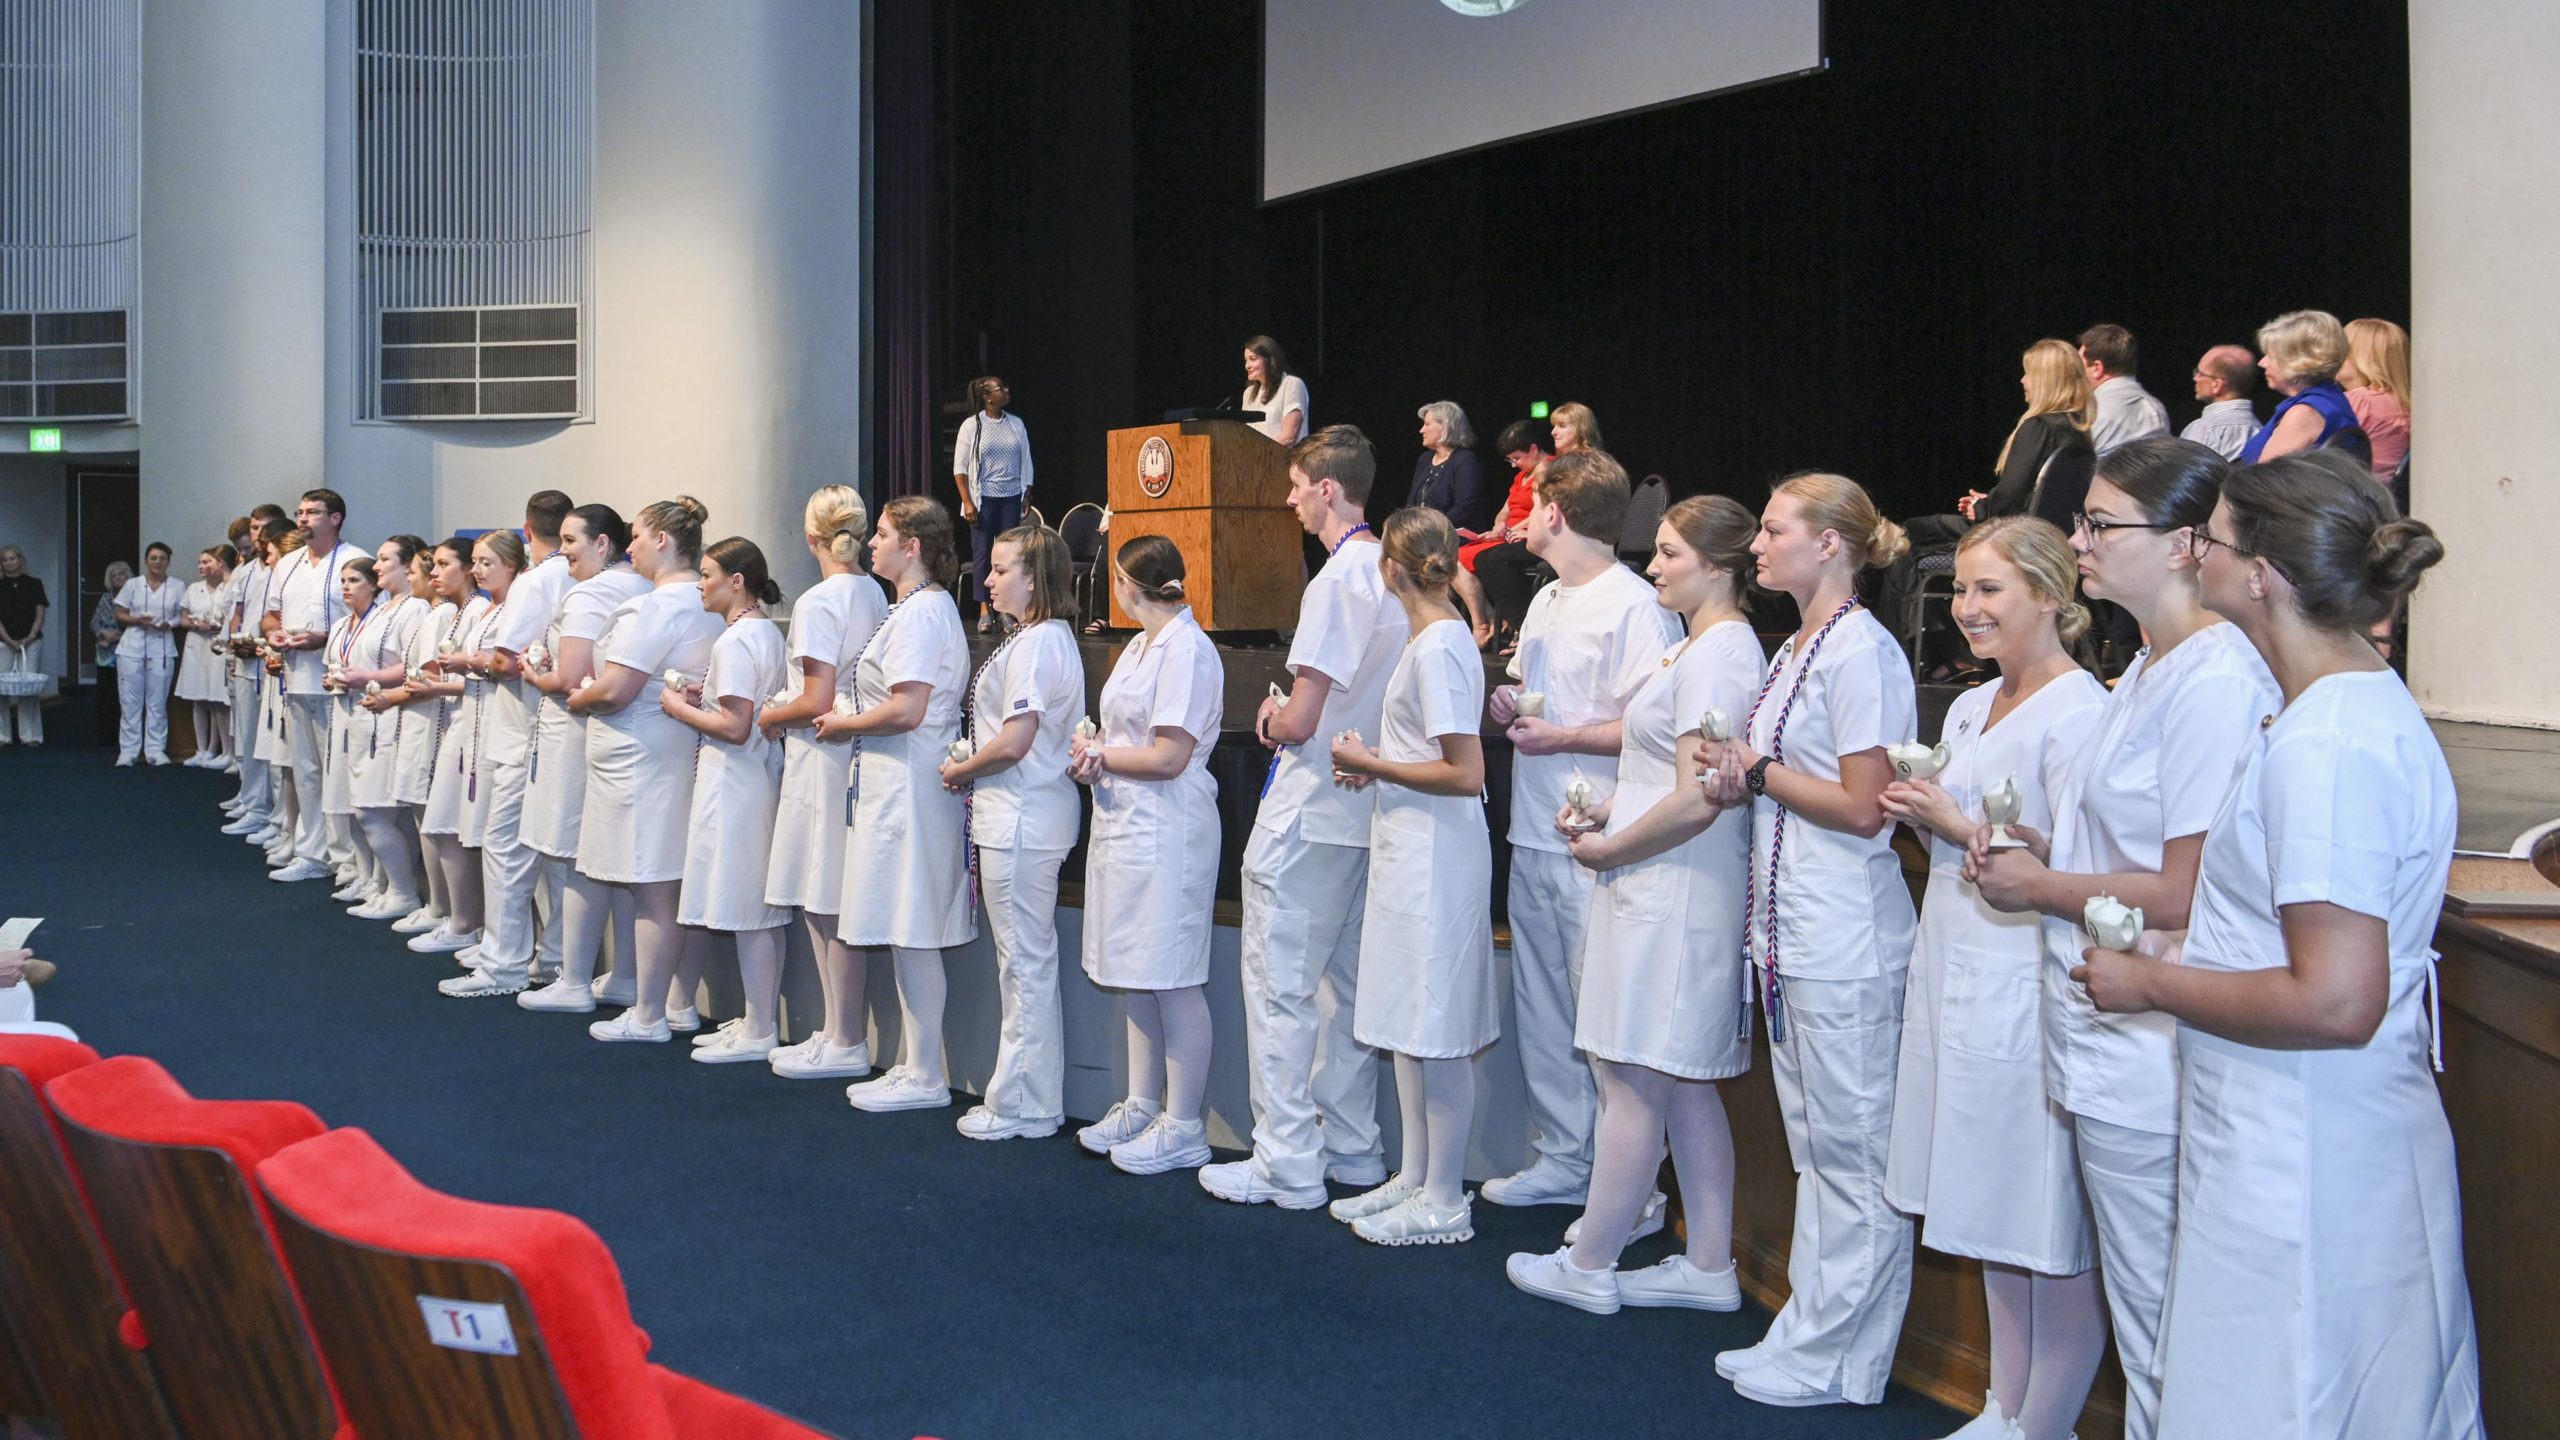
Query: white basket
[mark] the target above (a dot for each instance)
(19, 684)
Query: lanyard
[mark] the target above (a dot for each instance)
(1772, 996)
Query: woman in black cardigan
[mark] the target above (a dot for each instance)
(1449, 476)
(2046, 464)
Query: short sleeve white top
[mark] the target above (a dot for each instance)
(664, 629)
(588, 609)
(1351, 631)
(833, 621)
(307, 602)
(920, 641)
(746, 664)
(1292, 397)
(1172, 678)
(533, 603)
(1587, 648)
(1039, 672)
(2175, 731)
(164, 603)
(1442, 694)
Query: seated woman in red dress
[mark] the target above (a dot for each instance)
(1524, 446)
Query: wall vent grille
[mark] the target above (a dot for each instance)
(515, 362)
(70, 200)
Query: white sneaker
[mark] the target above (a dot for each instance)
(441, 941)
(903, 1088)
(1118, 1125)
(1418, 1222)
(124, 762)
(1547, 1182)
(1989, 1425)
(1379, 1201)
(478, 984)
(345, 893)
(266, 836)
(1675, 1283)
(983, 1123)
(418, 922)
(300, 870)
(1364, 1171)
(1648, 1221)
(1555, 1277)
(155, 761)
(1734, 1364)
(1166, 1144)
(619, 990)
(1772, 1386)
(818, 1058)
(714, 1037)
(684, 1021)
(384, 907)
(346, 875)
(731, 1046)
(243, 824)
(626, 1026)
(468, 957)
(560, 995)
(1246, 1183)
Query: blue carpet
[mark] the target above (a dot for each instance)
(876, 1275)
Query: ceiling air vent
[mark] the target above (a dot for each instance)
(500, 362)
(63, 365)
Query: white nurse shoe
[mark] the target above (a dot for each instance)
(983, 1123)
(418, 921)
(1648, 1221)
(1555, 1277)
(1419, 1222)
(625, 1027)
(903, 1088)
(1166, 1144)
(441, 941)
(732, 1045)
(1246, 1183)
(1118, 1125)
(559, 995)
(1772, 1386)
(1734, 1364)
(1989, 1425)
(818, 1058)
(1546, 1183)
(1386, 1197)
(1676, 1283)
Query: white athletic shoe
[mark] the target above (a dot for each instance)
(155, 761)
(1676, 1283)
(478, 984)
(1379, 1201)
(1772, 1386)
(626, 1027)
(383, 907)
(714, 1037)
(903, 1088)
(1734, 1364)
(418, 922)
(1118, 1125)
(441, 941)
(732, 1044)
(1246, 1183)
(1648, 1221)
(1555, 1277)
(344, 893)
(243, 824)
(618, 990)
(1547, 1182)
(818, 1058)
(1989, 1425)
(684, 1021)
(299, 871)
(124, 762)
(1166, 1144)
(982, 1123)
(1419, 1222)
(468, 957)
(266, 835)
(346, 874)
(560, 995)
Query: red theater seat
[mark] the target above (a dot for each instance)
(448, 1319)
(57, 1286)
(169, 1178)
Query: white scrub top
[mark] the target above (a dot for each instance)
(1662, 982)
(375, 746)
(730, 836)
(1151, 869)
(1291, 397)
(1977, 1145)
(1587, 648)
(2317, 1288)
(906, 864)
(556, 783)
(420, 729)
(640, 758)
(1353, 632)
(2175, 732)
(448, 787)
(1030, 805)
(165, 601)
(831, 623)
(307, 601)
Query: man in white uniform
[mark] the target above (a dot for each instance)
(307, 603)
(1590, 636)
(146, 657)
(257, 782)
(521, 897)
(1306, 869)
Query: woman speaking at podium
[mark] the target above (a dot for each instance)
(1271, 389)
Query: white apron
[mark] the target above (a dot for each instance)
(640, 758)
(906, 871)
(451, 779)
(1151, 865)
(499, 744)
(556, 779)
(422, 723)
(200, 669)
(832, 623)
(337, 774)
(734, 791)
(373, 746)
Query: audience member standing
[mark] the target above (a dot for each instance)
(2301, 351)
(2126, 411)
(2224, 378)
(22, 612)
(1448, 476)
(108, 634)
(148, 607)
(1271, 389)
(2376, 379)
(991, 463)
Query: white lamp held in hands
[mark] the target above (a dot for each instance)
(2000, 806)
(1915, 761)
(2112, 924)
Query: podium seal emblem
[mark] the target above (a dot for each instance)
(1155, 467)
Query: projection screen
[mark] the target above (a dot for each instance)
(1351, 88)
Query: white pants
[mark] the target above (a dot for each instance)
(1849, 1272)
(507, 878)
(142, 693)
(550, 892)
(1549, 910)
(306, 730)
(1020, 888)
(2132, 1178)
(28, 710)
(1314, 1088)
(254, 779)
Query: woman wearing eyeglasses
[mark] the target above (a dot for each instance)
(2129, 822)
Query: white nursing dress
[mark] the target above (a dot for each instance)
(452, 779)
(906, 872)
(640, 758)
(1426, 937)
(420, 728)
(200, 669)
(2317, 1288)
(734, 789)
(1662, 960)
(373, 744)
(1978, 1147)
(337, 777)
(1151, 866)
(831, 624)
(556, 783)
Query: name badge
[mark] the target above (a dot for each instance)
(468, 1325)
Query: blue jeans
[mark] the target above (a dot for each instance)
(996, 515)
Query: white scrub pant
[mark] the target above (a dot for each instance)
(254, 779)
(1549, 910)
(1849, 1272)
(2132, 1177)
(1314, 1088)
(142, 694)
(507, 868)
(306, 729)
(1020, 890)
(550, 893)
(27, 710)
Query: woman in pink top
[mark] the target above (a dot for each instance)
(2376, 377)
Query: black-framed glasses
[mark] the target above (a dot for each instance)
(2206, 540)
(2087, 524)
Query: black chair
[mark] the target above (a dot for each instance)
(1081, 528)
(1644, 516)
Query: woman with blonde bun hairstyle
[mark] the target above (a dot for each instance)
(1827, 925)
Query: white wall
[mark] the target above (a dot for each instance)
(2485, 327)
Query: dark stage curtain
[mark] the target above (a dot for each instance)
(903, 202)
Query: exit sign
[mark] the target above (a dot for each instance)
(39, 441)
(1537, 409)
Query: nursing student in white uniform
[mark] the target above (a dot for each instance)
(906, 867)
(270, 745)
(1151, 863)
(426, 712)
(380, 659)
(248, 678)
(737, 778)
(640, 765)
(1427, 991)
(494, 724)
(593, 539)
(1827, 924)
(2317, 1288)
(306, 605)
(1306, 868)
(830, 625)
(1978, 1147)
(149, 607)
(356, 587)
(201, 682)
(1586, 645)
(1023, 817)
(2130, 823)
(1662, 979)
(520, 914)
(454, 782)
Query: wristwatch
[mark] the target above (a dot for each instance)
(1756, 779)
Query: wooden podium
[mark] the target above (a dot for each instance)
(1219, 490)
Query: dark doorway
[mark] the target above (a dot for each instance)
(106, 526)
